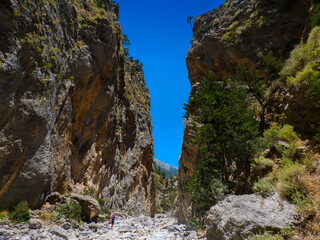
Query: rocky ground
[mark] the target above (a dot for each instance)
(126, 227)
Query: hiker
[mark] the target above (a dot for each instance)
(112, 217)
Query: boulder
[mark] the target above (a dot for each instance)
(90, 207)
(35, 223)
(60, 232)
(237, 217)
(56, 197)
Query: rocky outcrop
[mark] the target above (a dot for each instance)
(74, 110)
(238, 217)
(229, 36)
(90, 207)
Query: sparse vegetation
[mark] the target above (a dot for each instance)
(20, 213)
(70, 210)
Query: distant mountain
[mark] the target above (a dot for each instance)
(166, 168)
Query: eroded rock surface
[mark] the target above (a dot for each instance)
(238, 217)
(74, 110)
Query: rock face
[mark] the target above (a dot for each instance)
(229, 36)
(74, 110)
(238, 217)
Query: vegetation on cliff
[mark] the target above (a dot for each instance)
(264, 132)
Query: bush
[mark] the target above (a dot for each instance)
(265, 186)
(305, 205)
(196, 224)
(202, 30)
(70, 210)
(3, 215)
(291, 180)
(303, 57)
(103, 209)
(267, 236)
(90, 191)
(20, 213)
(285, 133)
(263, 163)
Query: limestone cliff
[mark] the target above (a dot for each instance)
(230, 36)
(74, 110)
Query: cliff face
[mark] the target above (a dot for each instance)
(230, 36)
(74, 110)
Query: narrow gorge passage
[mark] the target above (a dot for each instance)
(120, 109)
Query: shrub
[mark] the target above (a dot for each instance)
(103, 209)
(90, 191)
(285, 233)
(263, 163)
(303, 56)
(291, 180)
(196, 224)
(267, 236)
(202, 30)
(45, 216)
(287, 134)
(265, 186)
(3, 215)
(20, 213)
(70, 210)
(280, 133)
(305, 205)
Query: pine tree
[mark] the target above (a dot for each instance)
(226, 135)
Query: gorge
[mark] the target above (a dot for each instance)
(75, 125)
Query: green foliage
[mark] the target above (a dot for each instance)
(304, 204)
(3, 215)
(103, 209)
(271, 64)
(70, 210)
(90, 191)
(315, 15)
(256, 85)
(265, 186)
(267, 236)
(20, 213)
(101, 202)
(262, 163)
(291, 180)
(203, 29)
(284, 233)
(303, 58)
(196, 224)
(125, 40)
(280, 133)
(227, 136)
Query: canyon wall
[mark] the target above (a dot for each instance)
(74, 110)
(224, 38)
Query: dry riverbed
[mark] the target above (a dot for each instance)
(160, 227)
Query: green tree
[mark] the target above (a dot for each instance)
(227, 136)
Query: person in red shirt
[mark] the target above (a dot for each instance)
(112, 217)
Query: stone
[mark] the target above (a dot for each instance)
(60, 232)
(56, 197)
(238, 217)
(66, 225)
(93, 226)
(35, 223)
(90, 207)
(192, 235)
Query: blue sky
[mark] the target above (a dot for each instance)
(160, 38)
